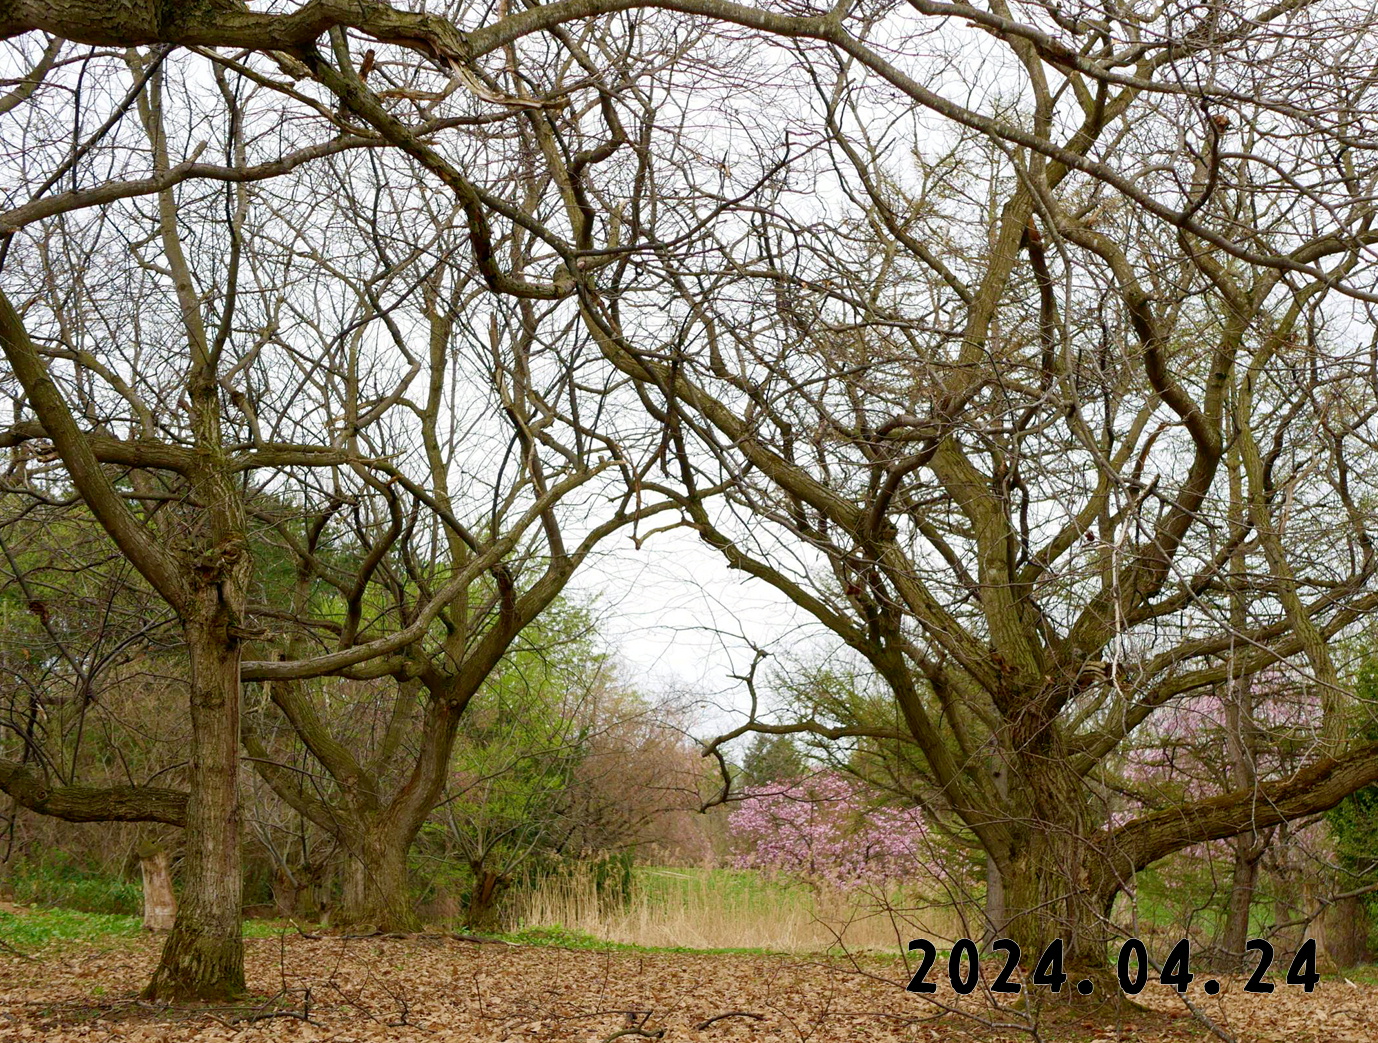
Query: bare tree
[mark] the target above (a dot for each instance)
(231, 397)
(982, 425)
(500, 473)
(972, 328)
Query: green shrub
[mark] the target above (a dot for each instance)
(59, 882)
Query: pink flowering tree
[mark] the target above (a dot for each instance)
(1224, 739)
(829, 831)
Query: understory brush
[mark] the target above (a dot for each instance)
(60, 882)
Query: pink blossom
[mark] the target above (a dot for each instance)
(825, 831)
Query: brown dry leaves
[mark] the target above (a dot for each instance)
(447, 990)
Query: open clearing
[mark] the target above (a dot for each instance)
(441, 988)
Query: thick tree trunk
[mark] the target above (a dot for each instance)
(1235, 934)
(294, 895)
(160, 904)
(1344, 932)
(1045, 899)
(376, 891)
(482, 914)
(1045, 875)
(204, 955)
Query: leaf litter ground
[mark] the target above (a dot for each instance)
(440, 988)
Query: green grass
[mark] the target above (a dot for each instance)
(557, 936)
(1364, 974)
(38, 928)
(266, 928)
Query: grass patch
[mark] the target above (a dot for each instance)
(1364, 974)
(557, 936)
(689, 909)
(267, 928)
(42, 927)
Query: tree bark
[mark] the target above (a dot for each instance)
(995, 906)
(995, 903)
(160, 904)
(1244, 881)
(204, 955)
(92, 803)
(295, 895)
(1045, 873)
(1344, 931)
(376, 889)
(1046, 899)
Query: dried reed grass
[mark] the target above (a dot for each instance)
(705, 909)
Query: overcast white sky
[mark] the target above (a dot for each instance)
(681, 620)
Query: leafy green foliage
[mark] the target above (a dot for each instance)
(612, 878)
(1354, 821)
(1354, 827)
(771, 758)
(841, 693)
(520, 742)
(59, 881)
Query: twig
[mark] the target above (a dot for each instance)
(15, 952)
(304, 933)
(657, 1034)
(1197, 1013)
(399, 996)
(730, 1014)
(1205, 1019)
(265, 1015)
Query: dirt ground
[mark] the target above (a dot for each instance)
(444, 989)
